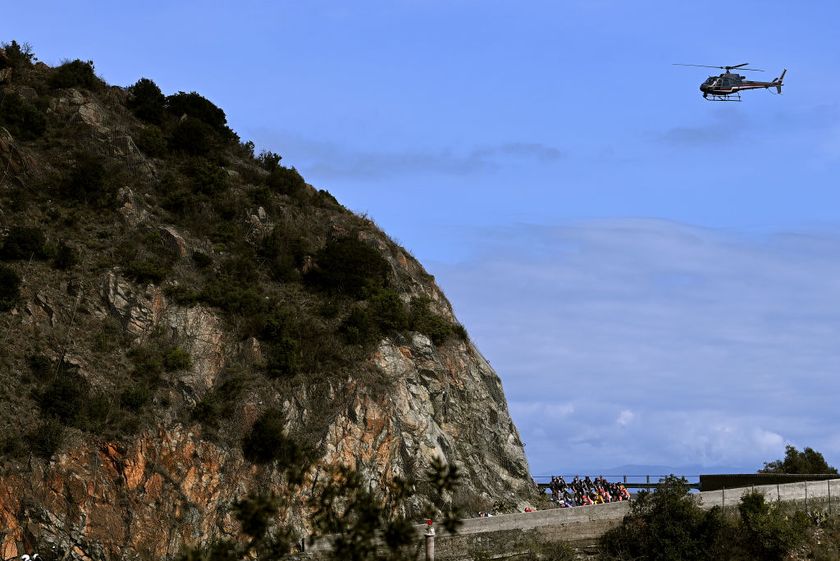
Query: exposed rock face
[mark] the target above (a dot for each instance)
(171, 487)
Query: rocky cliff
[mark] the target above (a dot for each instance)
(164, 289)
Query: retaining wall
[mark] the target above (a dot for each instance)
(509, 536)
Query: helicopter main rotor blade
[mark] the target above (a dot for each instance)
(700, 65)
(741, 67)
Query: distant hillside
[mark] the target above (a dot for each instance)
(178, 314)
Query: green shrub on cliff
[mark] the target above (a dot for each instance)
(286, 181)
(87, 181)
(267, 443)
(146, 101)
(75, 74)
(423, 320)
(46, 439)
(350, 267)
(196, 106)
(23, 119)
(9, 288)
(194, 137)
(18, 55)
(25, 243)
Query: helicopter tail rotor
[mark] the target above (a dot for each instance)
(780, 81)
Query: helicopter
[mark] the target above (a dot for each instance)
(727, 86)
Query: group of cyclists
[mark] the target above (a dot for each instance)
(586, 491)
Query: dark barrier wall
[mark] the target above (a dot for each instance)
(735, 480)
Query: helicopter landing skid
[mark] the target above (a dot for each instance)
(730, 97)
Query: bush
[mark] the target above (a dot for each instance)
(284, 251)
(18, 56)
(219, 403)
(87, 182)
(45, 440)
(75, 74)
(324, 199)
(770, 534)
(384, 314)
(41, 366)
(148, 362)
(233, 297)
(21, 118)
(136, 397)
(349, 266)
(64, 398)
(359, 328)
(201, 259)
(65, 257)
(282, 357)
(146, 101)
(179, 201)
(24, 243)
(665, 525)
(267, 443)
(205, 176)
(194, 137)
(13, 446)
(156, 357)
(269, 161)
(389, 311)
(9, 288)
(438, 329)
(147, 258)
(147, 269)
(200, 108)
(176, 358)
(286, 181)
(246, 149)
(151, 142)
(280, 335)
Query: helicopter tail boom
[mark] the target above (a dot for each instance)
(778, 82)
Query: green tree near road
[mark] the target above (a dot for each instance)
(808, 461)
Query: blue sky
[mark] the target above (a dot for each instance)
(653, 276)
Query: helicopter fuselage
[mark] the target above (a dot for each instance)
(729, 84)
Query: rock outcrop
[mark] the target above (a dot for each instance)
(173, 288)
(169, 487)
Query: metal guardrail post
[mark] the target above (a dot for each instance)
(806, 495)
(828, 482)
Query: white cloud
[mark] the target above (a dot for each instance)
(625, 418)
